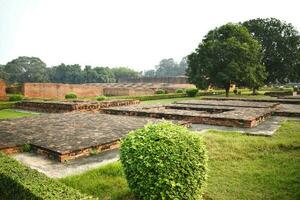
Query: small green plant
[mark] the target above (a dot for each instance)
(235, 91)
(295, 89)
(16, 97)
(160, 91)
(164, 161)
(26, 148)
(192, 92)
(101, 98)
(93, 151)
(71, 95)
(179, 91)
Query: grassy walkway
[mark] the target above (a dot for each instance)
(241, 167)
(8, 114)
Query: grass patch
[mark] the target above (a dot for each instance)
(6, 104)
(240, 167)
(9, 114)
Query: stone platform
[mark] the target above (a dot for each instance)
(69, 106)
(273, 100)
(233, 114)
(69, 135)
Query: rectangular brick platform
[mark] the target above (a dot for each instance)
(241, 115)
(281, 101)
(69, 106)
(69, 135)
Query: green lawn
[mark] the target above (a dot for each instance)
(241, 167)
(8, 114)
(6, 104)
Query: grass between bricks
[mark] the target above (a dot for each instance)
(240, 167)
(9, 114)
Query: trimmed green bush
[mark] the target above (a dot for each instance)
(192, 92)
(26, 147)
(20, 182)
(71, 95)
(179, 91)
(160, 91)
(16, 97)
(164, 161)
(101, 98)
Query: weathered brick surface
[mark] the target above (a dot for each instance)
(2, 90)
(281, 101)
(203, 114)
(58, 90)
(69, 106)
(68, 135)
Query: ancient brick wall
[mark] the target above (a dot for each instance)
(174, 80)
(58, 90)
(113, 91)
(2, 90)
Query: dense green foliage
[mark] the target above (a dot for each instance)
(191, 92)
(160, 91)
(227, 55)
(240, 167)
(164, 161)
(101, 98)
(16, 97)
(179, 91)
(32, 69)
(71, 95)
(25, 69)
(168, 67)
(281, 46)
(20, 182)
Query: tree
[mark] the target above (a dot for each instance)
(281, 47)
(149, 73)
(3, 74)
(124, 73)
(26, 69)
(227, 54)
(104, 75)
(66, 74)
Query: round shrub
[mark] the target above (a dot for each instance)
(179, 91)
(160, 91)
(101, 98)
(192, 92)
(71, 95)
(164, 161)
(16, 97)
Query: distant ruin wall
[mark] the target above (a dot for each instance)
(127, 91)
(2, 90)
(174, 80)
(59, 90)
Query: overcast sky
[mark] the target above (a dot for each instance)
(133, 33)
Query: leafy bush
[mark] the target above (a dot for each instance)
(71, 95)
(164, 161)
(20, 182)
(26, 147)
(235, 91)
(192, 92)
(160, 91)
(101, 98)
(16, 97)
(179, 91)
(295, 89)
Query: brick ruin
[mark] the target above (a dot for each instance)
(70, 106)
(2, 90)
(59, 90)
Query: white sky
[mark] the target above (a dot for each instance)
(133, 33)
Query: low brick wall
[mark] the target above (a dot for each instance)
(2, 90)
(69, 106)
(58, 90)
(127, 91)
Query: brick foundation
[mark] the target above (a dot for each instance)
(2, 90)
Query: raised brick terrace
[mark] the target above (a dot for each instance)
(68, 135)
(239, 114)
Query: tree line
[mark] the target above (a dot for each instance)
(251, 54)
(33, 69)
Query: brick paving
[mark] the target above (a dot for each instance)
(214, 114)
(67, 132)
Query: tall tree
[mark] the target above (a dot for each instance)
(124, 73)
(228, 54)
(26, 69)
(67, 74)
(281, 47)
